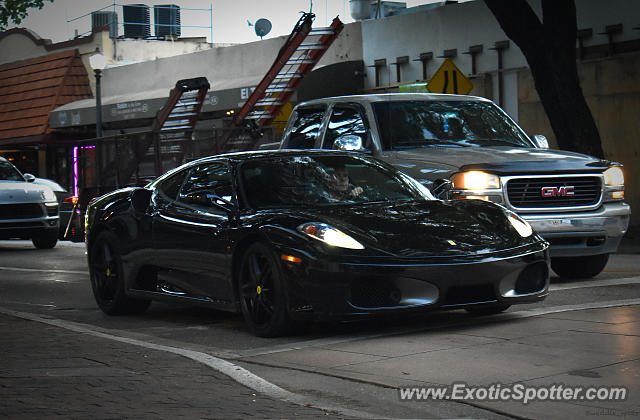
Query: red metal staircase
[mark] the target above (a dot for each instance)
(295, 59)
(177, 119)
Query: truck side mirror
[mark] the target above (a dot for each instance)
(541, 141)
(349, 142)
(441, 188)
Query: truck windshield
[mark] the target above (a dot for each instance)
(9, 173)
(410, 124)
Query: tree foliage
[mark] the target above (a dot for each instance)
(550, 49)
(14, 11)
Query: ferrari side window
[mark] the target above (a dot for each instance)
(206, 185)
(305, 128)
(170, 186)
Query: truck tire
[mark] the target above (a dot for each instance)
(579, 267)
(45, 240)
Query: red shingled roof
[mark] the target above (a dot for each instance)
(31, 89)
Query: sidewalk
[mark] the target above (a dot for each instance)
(50, 372)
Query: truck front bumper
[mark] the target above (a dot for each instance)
(584, 233)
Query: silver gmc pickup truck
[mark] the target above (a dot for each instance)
(465, 147)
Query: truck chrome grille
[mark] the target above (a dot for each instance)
(21, 211)
(554, 192)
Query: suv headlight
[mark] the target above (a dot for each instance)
(613, 184)
(477, 184)
(48, 196)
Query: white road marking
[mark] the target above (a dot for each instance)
(235, 372)
(356, 337)
(595, 283)
(44, 270)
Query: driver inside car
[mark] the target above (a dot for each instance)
(339, 185)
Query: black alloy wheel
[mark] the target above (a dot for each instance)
(107, 279)
(262, 293)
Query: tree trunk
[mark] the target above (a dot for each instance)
(550, 50)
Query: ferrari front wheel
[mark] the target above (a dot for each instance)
(107, 278)
(262, 292)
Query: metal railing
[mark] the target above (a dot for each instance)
(134, 159)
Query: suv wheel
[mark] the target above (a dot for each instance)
(45, 240)
(579, 267)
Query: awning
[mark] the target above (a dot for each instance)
(224, 95)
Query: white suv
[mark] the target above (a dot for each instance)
(27, 210)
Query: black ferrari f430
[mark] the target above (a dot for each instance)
(289, 235)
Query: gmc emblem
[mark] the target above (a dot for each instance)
(565, 191)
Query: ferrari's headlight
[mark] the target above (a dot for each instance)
(522, 226)
(329, 235)
(475, 180)
(614, 177)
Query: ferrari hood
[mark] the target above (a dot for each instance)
(413, 229)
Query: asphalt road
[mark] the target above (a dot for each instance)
(584, 326)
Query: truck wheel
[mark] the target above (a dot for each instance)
(579, 267)
(493, 309)
(45, 240)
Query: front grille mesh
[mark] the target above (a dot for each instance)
(527, 192)
(21, 211)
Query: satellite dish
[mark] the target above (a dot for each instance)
(262, 27)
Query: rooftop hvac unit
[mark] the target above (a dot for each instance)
(104, 18)
(136, 21)
(167, 20)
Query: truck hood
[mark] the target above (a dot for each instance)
(433, 162)
(21, 192)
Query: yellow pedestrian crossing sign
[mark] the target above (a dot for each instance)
(449, 79)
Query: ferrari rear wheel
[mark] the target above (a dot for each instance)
(488, 309)
(107, 278)
(262, 292)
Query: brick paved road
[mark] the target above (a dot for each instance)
(49, 372)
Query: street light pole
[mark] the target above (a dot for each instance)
(98, 62)
(98, 74)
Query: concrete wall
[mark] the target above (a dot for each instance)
(137, 50)
(224, 67)
(458, 26)
(612, 88)
(17, 47)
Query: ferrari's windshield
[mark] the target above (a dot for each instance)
(410, 124)
(309, 181)
(8, 172)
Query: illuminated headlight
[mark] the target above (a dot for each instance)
(522, 226)
(614, 183)
(329, 235)
(614, 176)
(475, 180)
